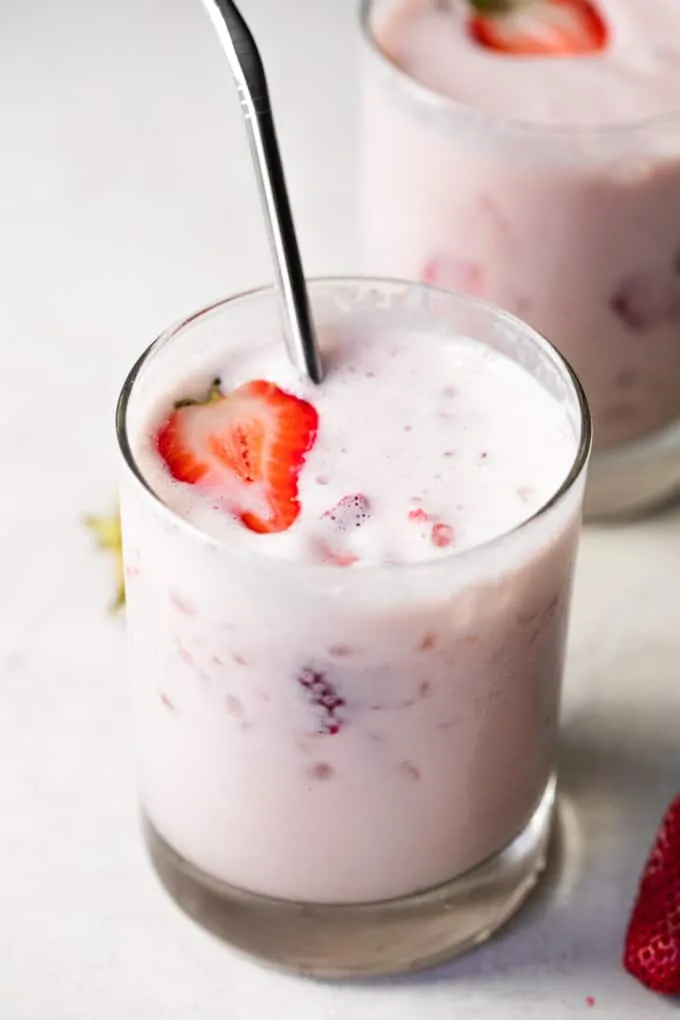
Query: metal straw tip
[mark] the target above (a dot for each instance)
(248, 70)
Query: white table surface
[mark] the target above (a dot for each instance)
(126, 200)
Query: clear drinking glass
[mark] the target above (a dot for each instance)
(576, 230)
(416, 826)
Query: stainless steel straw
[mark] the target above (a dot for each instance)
(251, 82)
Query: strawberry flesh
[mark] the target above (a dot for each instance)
(350, 512)
(336, 557)
(256, 437)
(441, 535)
(420, 516)
(455, 273)
(643, 303)
(324, 700)
(538, 27)
(652, 948)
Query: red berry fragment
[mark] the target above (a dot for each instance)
(324, 699)
(455, 273)
(336, 556)
(419, 516)
(442, 535)
(642, 303)
(350, 512)
(652, 948)
(430, 272)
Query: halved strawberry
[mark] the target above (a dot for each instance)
(258, 436)
(538, 27)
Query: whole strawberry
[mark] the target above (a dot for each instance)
(652, 951)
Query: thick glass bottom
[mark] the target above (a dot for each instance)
(635, 479)
(353, 940)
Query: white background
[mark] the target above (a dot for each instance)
(126, 200)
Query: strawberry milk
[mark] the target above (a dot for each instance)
(534, 158)
(347, 632)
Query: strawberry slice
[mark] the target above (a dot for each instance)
(455, 273)
(652, 951)
(538, 27)
(256, 436)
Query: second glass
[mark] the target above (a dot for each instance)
(576, 230)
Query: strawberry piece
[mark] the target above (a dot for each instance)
(455, 273)
(257, 436)
(538, 27)
(350, 512)
(419, 516)
(643, 303)
(442, 535)
(430, 273)
(336, 557)
(652, 949)
(324, 699)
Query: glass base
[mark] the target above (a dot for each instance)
(354, 940)
(634, 479)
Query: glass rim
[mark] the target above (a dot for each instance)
(578, 464)
(440, 103)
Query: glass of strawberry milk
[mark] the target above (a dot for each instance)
(528, 151)
(347, 608)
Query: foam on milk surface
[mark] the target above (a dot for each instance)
(449, 427)
(636, 76)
